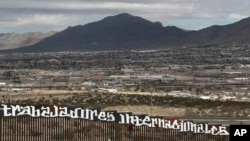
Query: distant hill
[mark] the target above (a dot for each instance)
(125, 31)
(13, 40)
(237, 33)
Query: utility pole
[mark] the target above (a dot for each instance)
(151, 104)
(1, 134)
(151, 98)
(40, 84)
(9, 95)
(149, 89)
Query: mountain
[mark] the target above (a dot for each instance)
(125, 32)
(122, 31)
(13, 40)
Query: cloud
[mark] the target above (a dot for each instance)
(39, 22)
(37, 19)
(236, 16)
(41, 19)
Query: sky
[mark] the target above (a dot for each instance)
(22, 16)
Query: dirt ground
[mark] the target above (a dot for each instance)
(153, 111)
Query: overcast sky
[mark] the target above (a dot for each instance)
(46, 15)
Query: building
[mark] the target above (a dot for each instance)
(105, 90)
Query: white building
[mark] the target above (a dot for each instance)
(2, 84)
(228, 97)
(205, 97)
(89, 84)
(112, 90)
(178, 93)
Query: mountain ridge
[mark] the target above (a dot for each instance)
(126, 32)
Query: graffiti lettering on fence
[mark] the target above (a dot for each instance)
(121, 118)
(183, 126)
(89, 114)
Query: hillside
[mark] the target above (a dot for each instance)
(13, 40)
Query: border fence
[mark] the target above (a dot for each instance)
(27, 128)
